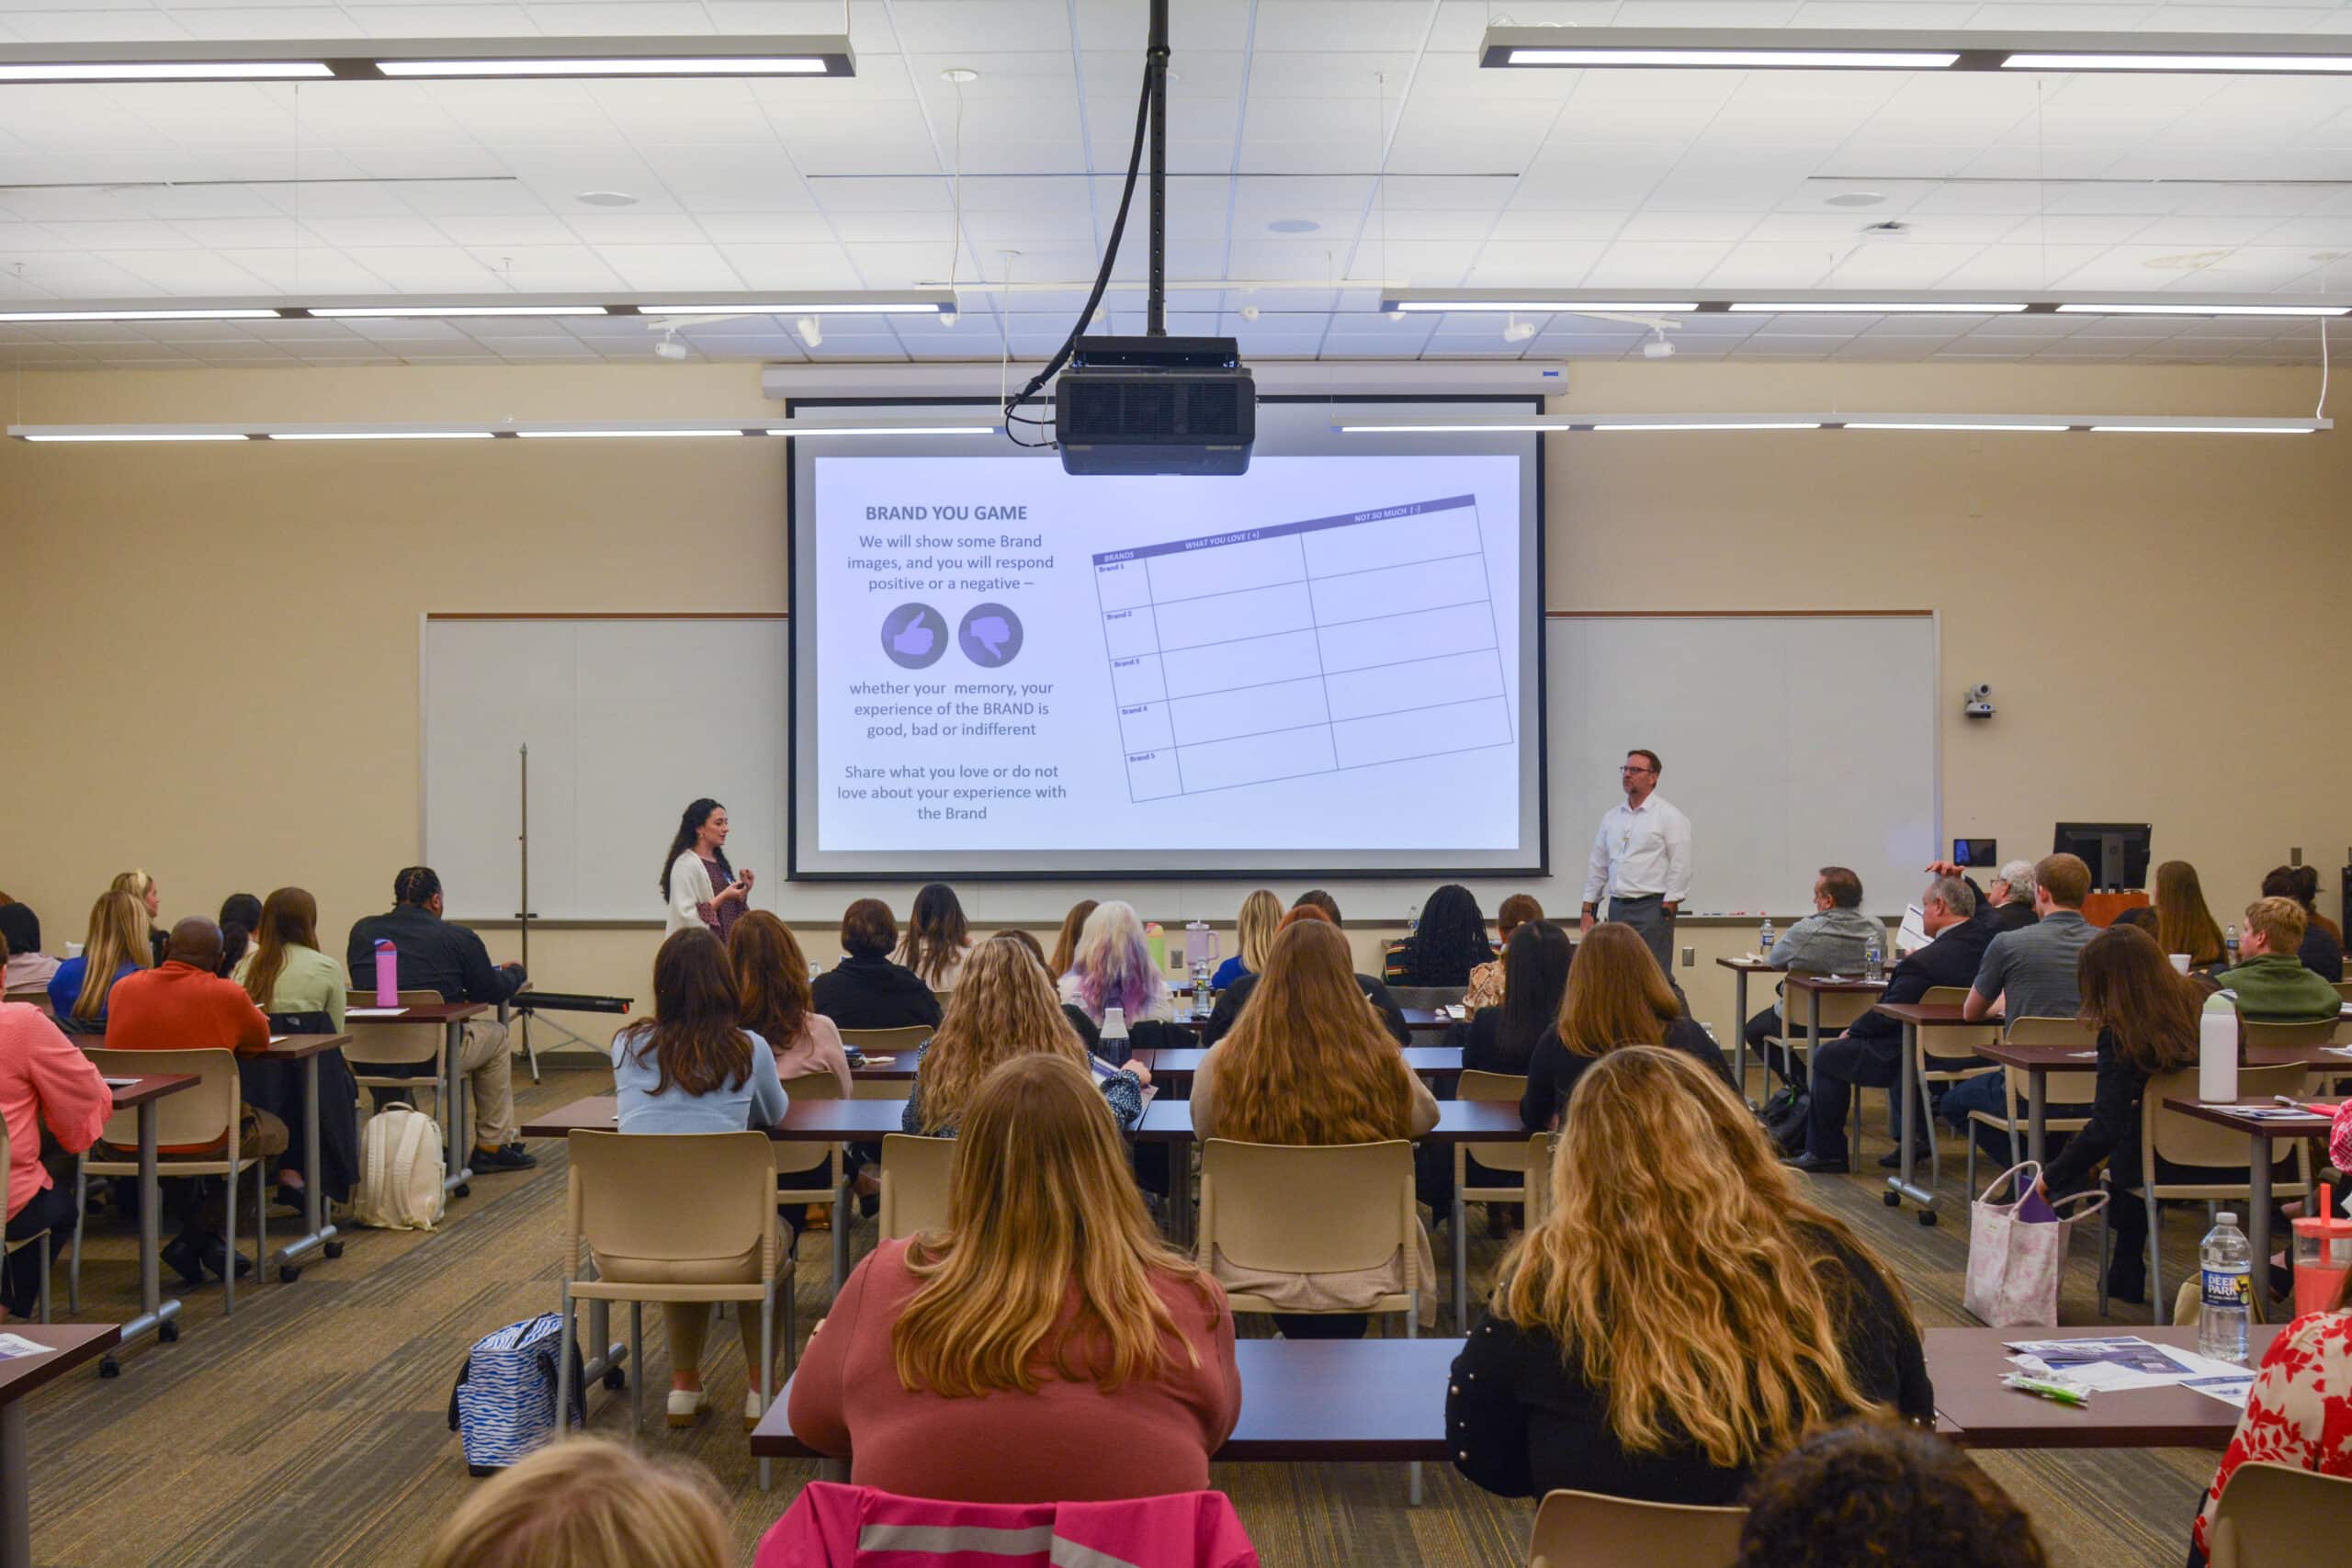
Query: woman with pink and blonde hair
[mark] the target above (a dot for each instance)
(1113, 968)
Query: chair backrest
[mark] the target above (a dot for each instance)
(1585, 1530)
(2279, 1516)
(942, 998)
(1509, 1087)
(1313, 1209)
(2310, 1032)
(887, 1042)
(2186, 1140)
(2344, 989)
(813, 1086)
(2058, 1089)
(1945, 1043)
(32, 996)
(393, 1044)
(1430, 996)
(199, 1115)
(671, 1197)
(1538, 1177)
(2068, 1031)
(914, 1184)
(1838, 1009)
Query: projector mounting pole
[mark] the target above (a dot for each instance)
(1156, 66)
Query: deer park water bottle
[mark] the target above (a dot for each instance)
(2226, 1264)
(1764, 939)
(1873, 962)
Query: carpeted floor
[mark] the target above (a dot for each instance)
(311, 1428)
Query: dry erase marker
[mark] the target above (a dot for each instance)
(2047, 1388)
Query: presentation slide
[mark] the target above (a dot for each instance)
(1324, 664)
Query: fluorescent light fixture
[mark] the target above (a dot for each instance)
(168, 71)
(883, 429)
(392, 312)
(646, 65)
(1880, 307)
(187, 315)
(801, 308)
(1533, 307)
(2190, 308)
(599, 434)
(1978, 423)
(1711, 425)
(1742, 59)
(2313, 63)
(1945, 424)
(1523, 425)
(378, 434)
(139, 435)
(2209, 427)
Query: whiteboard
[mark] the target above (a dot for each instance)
(628, 721)
(1790, 741)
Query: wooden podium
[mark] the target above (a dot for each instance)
(2100, 909)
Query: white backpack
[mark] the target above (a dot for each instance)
(400, 1171)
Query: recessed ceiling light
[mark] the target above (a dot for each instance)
(1293, 226)
(959, 74)
(606, 198)
(1856, 199)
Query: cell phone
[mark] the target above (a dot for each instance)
(1975, 852)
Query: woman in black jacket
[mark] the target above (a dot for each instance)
(1616, 995)
(1684, 1313)
(1502, 1039)
(865, 990)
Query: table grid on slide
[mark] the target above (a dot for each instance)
(1302, 647)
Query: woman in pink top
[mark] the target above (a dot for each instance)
(1047, 1347)
(43, 1078)
(772, 979)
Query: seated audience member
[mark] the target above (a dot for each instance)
(1004, 1008)
(2183, 922)
(2008, 903)
(1870, 1054)
(1309, 1063)
(2140, 915)
(867, 989)
(2268, 980)
(45, 1081)
(2027, 973)
(588, 1503)
(115, 946)
(28, 968)
(1065, 952)
(772, 981)
(286, 973)
(1616, 995)
(1088, 1035)
(2299, 1410)
(1831, 940)
(1260, 912)
(1114, 969)
(184, 1006)
(450, 961)
(1501, 1038)
(938, 938)
(2322, 946)
(1315, 897)
(1447, 942)
(1227, 1011)
(1760, 1316)
(1046, 1346)
(1876, 1492)
(692, 1067)
(141, 886)
(240, 918)
(1487, 980)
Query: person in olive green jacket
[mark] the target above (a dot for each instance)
(2269, 981)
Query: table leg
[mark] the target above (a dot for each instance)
(16, 1492)
(842, 1211)
(2037, 1115)
(313, 1201)
(1908, 1084)
(1739, 1028)
(2257, 1223)
(454, 1148)
(154, 1312)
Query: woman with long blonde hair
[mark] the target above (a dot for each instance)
(141, 886)
(1684, 1313)
(1002, 1007)
(115, 946)
(1046, 1346)
(2184, 923)
(1617, 995)
(1308, 1062)
(1253, 932)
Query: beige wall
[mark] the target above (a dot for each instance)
(214, 649)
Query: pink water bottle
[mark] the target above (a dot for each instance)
(388, 975)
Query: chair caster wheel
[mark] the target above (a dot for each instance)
(1892, 1199)
(334, 1249)
(287, 1273)
(463, 1189)
(1927, 1216)
(615, 1379)
(169, 1333)
(108, 1367)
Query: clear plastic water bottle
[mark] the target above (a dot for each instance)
(2229, 940)
(1115, 1049)
(1201, 974)
(1764, 939)
(1412, 919)
(1873, 962)
(2225, 1261)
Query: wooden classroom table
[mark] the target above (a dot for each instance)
(71, 1345)
(1742, 966)
(456, 1142)
(1458, 1122)
(1303, 1401)
(1966, 1365)
(1914, 1017)
(307, 1049)
(1419, 1020)
(2038, 1061)
(156, 1315)
(2260, 1134)
(1174, 1068)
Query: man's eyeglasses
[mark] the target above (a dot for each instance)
(1633, 768)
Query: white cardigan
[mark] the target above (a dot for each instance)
(689, 887)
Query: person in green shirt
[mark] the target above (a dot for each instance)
(2269, 981)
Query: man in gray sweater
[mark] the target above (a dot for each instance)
(1831, 941)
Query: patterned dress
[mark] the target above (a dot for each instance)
(2300, 1410)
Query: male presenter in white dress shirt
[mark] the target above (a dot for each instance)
(1641, 858)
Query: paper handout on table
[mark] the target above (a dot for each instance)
(2116, 1363)
(2232, 1390)
(373, 1012)
(14, 1344)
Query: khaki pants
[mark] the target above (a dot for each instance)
(487, 1066)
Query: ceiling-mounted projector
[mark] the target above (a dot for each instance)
(1156, 405)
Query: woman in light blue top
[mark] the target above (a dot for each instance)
(690, 1068)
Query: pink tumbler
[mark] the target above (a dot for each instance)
(388, 975)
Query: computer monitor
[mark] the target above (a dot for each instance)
(2116, 852)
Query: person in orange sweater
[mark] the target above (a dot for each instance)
(184, 1006)
(43, 1079)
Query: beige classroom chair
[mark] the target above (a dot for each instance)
(2344, 989)
(39, 1238)
(2312, 1032)
(673, 1217)
(2280, 1515)
(887, 1042)
(1330, 1209)
(1537, 1192)
(1585, 1530)
(2187, 1141)
(1429, 997)
(2066, 1087)
(915, 1173)
(213, 1111)
(1838, 1009)
(398, 1045)
(1511, 1157)
(806, 1183)
(1944, 1058)
(33, 996)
